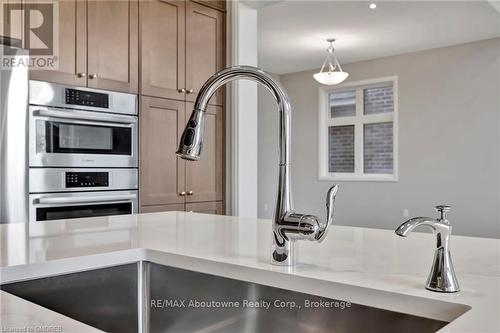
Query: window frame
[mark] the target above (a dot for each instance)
(325, 121)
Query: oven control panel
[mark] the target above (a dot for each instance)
(87, 179)
(86, 98)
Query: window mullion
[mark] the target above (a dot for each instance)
(358, 133)
(378, 118)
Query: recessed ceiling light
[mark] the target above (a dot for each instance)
(373, 5)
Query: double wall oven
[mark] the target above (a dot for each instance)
(82, 148)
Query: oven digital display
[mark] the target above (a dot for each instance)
(87, 98)
(87, 179)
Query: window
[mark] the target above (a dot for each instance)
(358, 131)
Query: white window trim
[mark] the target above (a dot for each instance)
(325, 121)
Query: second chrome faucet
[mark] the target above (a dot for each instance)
(442, 276)
(288, 226)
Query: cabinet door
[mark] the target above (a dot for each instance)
(113, 45)
(204, 48)
(163, 48)
(206, 207)
(11, 20)
(218, 4)
(163, 208)
(161, 171)
(72, 54)
(205, 177)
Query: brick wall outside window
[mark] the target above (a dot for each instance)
(378, 100)
(378, 148)
(341, 149)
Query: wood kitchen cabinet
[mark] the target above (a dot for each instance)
(217, 4)
(204, 48)
(166, 180)
(11, 21)
(72, 55)
(98, 45)
(162, 48)
(113, 42)
(164, 208)
(216, 207)
(206, 207)
(161, 171)
(204, 178)
(182, 45)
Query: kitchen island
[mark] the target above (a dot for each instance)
(364, 266)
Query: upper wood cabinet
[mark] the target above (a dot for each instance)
(162, 48)
(98, 45)
(11, 22)
(72, 57)
(182, 45)
(161, 171)
(205, 48)
(113, 45)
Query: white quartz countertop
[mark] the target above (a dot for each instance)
(366, 266)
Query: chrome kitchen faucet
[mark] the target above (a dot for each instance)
(288, 226)
(442, 276)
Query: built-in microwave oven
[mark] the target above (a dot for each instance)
(81, 127)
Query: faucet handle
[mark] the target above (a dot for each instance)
(330, 200)
(443, 210)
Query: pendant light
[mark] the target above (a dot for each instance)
(335, 74)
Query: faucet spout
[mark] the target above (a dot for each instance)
(404, 229)
(288, 226)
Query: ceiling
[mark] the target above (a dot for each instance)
(292, 33)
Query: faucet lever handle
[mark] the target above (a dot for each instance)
(330, 200)
(443, 210)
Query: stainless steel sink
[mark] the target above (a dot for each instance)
(116, 299)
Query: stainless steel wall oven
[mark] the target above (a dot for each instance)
(79, 152)
(62, 193)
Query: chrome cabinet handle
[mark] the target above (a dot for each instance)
(190, 91)
(93, 76)
(183, 193)
(190, 192)
(182, 90)
(80, 75)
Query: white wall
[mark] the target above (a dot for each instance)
(449, 148)
(243, 118)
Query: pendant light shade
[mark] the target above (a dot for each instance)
(330, 78)
(335, 74)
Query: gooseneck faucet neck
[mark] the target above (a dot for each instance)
(255, 74)
(288, 226)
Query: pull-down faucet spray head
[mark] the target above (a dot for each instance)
(191, 142)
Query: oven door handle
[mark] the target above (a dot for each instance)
(90, 199)
(76, 116)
